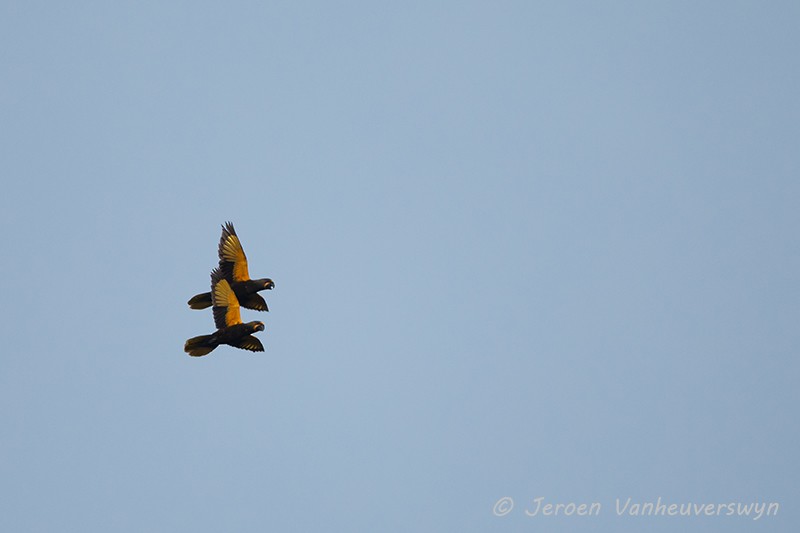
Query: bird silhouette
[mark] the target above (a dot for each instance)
(233, 266)
(227, 318)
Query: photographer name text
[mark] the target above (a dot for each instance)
(539, 506)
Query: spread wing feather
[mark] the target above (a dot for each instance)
(254, 301)
(226, 306)
(232, 260)
(251, 343)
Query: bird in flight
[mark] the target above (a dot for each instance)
(233, 267)
(227, 318)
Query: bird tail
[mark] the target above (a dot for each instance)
(200, 301)
(197, 346)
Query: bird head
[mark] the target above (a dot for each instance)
(268, 284)
(256, 326)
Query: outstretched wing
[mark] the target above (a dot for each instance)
(251, 343)
(225, 304)
(232, 260)
(254, 301)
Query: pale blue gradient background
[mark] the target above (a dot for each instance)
(520, 249)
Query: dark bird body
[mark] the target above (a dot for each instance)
(246, 292)
(233, 268)
(227, 318)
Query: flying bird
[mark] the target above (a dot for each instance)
(227, 318)
(233, 265)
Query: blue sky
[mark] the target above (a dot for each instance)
(520, 249)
